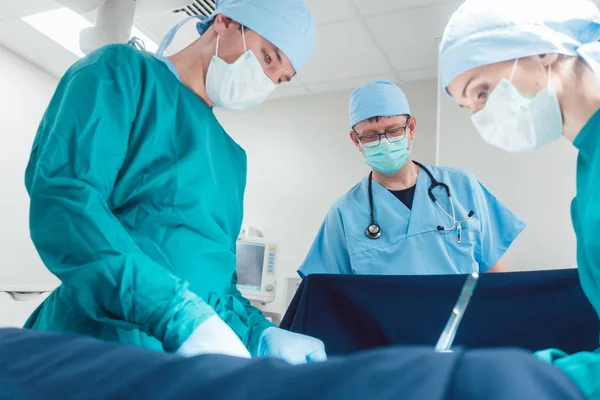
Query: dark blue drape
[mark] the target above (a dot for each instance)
(532, 310)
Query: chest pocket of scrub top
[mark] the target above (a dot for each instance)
(464, 254)
(428, 252)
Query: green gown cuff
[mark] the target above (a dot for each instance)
(192, 312)
(256, 334)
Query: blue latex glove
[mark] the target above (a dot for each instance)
(291, 347)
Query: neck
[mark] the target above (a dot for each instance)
(579, 101)
(191, 65)
(403, 179)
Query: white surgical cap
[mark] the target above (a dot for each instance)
(484, 32)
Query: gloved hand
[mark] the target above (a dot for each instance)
(213, 336)
(291, 347)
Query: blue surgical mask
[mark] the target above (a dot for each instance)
(388, 157)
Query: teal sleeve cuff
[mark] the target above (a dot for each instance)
(255, 336)
(550, 355)
(188, 315)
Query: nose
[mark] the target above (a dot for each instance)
(273, 76)
(476, 107)
(473, 105)
(277, 73)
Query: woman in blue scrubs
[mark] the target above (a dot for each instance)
(530, 72)
(408, 233)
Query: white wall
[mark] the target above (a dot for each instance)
(301, 159)
(25, 91)
(538, 187)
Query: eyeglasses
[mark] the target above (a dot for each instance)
(393, 135)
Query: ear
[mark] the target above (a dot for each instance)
(355, 140)
(412, 126)
(225, 26)
(548, 59)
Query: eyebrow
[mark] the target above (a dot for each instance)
(277, 54)
(285, 78)
(386, 129)
(464, 93)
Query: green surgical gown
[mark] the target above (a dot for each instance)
(584, 368)
(136, 204)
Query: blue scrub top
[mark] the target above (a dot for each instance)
(410, 243)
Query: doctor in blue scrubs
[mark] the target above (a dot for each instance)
(407, 218)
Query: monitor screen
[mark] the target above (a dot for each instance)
(250, 261)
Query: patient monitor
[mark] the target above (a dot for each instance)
(256, 268)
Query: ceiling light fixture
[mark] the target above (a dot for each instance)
(63, 26)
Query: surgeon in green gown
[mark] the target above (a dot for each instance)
(137, 191)
(529, 70)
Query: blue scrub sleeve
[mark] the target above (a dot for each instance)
(71, 219)
(329, 252)
(499, 226)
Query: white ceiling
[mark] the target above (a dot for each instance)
(357, 40)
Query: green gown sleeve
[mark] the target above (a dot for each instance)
(80, 148)
(583, 369)
(255, 321)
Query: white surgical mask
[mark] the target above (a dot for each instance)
(518, 124)
(240, 85)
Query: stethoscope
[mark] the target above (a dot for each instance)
(374, 230)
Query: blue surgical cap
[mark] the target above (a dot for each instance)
(288, 24)
(484, 32)
(377, 99)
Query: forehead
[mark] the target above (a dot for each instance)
(376, 123)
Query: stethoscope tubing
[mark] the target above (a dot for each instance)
(374, 231)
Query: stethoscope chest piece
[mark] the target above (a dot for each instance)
(373, 231)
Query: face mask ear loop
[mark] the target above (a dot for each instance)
(217, 49)
(549, 76)
(410, 142)
(244, 38)
(512, 74)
